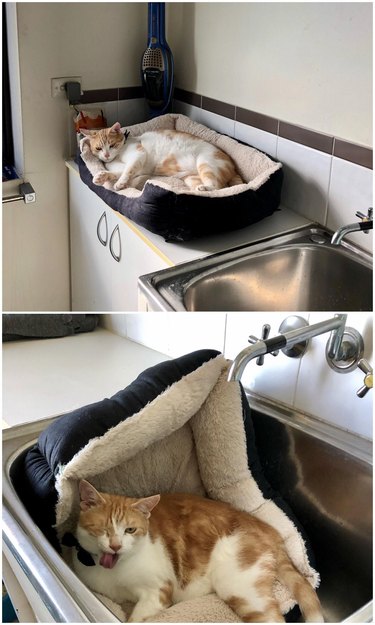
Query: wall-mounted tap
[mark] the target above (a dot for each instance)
(364, 366)
(344, 349)
(335, 325)
(266, 329)
(365, 225)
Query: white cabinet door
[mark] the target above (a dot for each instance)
(107, 256)
(90, 260)
(137, 258)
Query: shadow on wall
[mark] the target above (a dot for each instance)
(183, 47)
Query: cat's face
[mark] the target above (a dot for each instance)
(111, 526)
(106, 143)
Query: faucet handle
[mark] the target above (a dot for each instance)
(364, 217)
(266, 328)
(365, 366)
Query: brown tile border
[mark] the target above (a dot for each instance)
(111, 95)
(188, 97)
(352, 152)
(258, 120)
(309, 138)
(220, 108)
(130, 93)
(99, 95)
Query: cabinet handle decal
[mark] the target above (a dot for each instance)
(102, 241)
(117, 257)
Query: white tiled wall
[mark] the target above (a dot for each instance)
(320, 187)
(350, 190)
(307, 384)
(330, 395)
(173, 334)
(264, 141)
(306, 179)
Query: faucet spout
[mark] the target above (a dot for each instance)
(364, 225)
(335, 325)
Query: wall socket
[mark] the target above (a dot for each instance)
(57, 85)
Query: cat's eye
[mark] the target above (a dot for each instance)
(112, 145)
(98, 149)
(130, 530)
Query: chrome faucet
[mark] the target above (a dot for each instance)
(335, 325)
(365, 225)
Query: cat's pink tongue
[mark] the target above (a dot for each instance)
(108, 560)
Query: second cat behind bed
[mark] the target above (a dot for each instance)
(201, 165)
(160, 550)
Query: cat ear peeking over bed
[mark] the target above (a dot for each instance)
(201, 165)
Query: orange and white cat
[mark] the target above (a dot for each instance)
(202, 166)
(187, 548)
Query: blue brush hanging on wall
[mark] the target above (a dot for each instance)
(157, 62)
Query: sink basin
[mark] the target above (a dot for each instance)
(329, 490)
(323, 473)
(299, 271)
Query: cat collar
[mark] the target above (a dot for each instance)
(69, 540)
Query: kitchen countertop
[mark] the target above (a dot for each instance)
(281, 221)
(44, 378)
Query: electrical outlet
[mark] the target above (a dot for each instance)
(58, 85)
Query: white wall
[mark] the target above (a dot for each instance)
(321, 187)
(308, 63)
(307, 384)
(103, 43)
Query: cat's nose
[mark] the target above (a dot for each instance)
(115, 546)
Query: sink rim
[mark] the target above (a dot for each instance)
(166, 288)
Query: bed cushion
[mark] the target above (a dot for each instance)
(166, 206)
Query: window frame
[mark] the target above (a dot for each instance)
(15, 92)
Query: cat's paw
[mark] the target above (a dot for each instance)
(205, 187)
(119, 185)
(101, 177)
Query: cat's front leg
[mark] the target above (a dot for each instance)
(151, 603)
(134, 167)
(102, 177)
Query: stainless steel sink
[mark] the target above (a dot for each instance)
(323, 473)
(297, 271)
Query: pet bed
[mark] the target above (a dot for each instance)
(166, 206)
(179, 427)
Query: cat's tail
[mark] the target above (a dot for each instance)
(300, 589)
(235, 180)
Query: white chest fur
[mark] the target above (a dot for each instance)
(146, 567)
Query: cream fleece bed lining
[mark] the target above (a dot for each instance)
(177, 443)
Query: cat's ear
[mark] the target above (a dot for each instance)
(116, 127)
(89, 496)
(146, 505)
